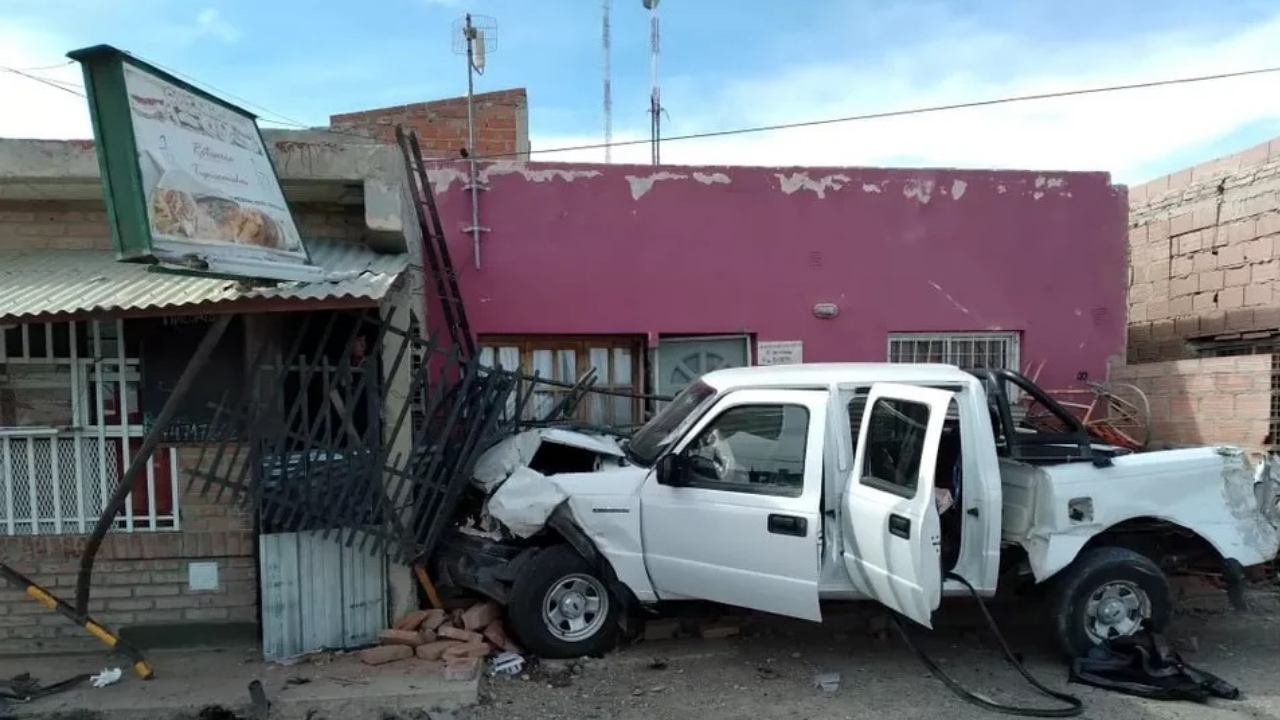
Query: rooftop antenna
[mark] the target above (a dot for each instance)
(605, 33)
(475, 36)
(655, 93)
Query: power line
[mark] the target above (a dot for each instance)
(903, 113)
(736, 131)
(64, 87)
(218, 91)
(47, 67)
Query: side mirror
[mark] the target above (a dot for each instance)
(670, 471)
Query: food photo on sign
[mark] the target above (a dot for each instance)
(201, 171)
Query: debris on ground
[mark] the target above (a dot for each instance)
(24, 688)
(506, 663)
(108, 676)
(828, 682)
(453, 642)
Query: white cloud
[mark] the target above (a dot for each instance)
(1121, 132)
(33, 109)
(210, 23)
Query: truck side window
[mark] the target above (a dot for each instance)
(752, 448)
(895, 441)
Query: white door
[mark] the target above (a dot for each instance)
(742, 525)
(892, 536)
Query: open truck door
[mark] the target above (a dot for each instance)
(892, 535)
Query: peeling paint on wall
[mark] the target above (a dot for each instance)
(957, 189)
(870, 188)
(641, 185)
(796, 182)
(712, 178)
(921, 190)
(443, 178)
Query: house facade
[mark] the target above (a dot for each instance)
(90, 350)
(654, 275)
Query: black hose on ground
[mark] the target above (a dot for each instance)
(1075, 706)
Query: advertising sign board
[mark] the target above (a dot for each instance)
(187, 177)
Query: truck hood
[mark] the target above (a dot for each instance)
(528, 475)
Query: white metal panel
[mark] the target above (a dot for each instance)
(281, 596)
(318, 594)
(320, 606)
(364, 594)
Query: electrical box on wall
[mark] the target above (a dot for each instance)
(202, 576)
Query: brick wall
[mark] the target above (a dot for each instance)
(1209, 400)
(138, 579)
(65, 225)
(1204, 246)
(502, 124)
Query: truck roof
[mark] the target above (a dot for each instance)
(824, 374)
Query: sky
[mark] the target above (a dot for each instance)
(724, 65)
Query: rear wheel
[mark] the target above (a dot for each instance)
(1108, 592)
(561, 608)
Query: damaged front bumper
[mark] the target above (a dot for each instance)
(479, 564)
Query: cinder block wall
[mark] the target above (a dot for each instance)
(1204, 253)
(502, 124)
(139, 579)
(1210, 400)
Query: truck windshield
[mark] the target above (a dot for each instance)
(650, 441)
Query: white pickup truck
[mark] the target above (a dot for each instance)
(779, 488)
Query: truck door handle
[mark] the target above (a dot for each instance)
(900, 526)
(788, 525)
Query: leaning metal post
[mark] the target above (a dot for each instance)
(140, 460)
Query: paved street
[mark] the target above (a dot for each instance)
(769, 674)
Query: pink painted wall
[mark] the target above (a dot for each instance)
(594, 249)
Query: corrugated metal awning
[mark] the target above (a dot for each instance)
(49, 283)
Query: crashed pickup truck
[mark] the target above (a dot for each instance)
(780, 488)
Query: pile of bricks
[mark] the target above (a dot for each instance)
(455, 642)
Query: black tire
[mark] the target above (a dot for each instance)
(1091, 573)
(530, 600)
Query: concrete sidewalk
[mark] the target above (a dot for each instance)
(188, 681)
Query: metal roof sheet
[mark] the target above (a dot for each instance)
(77, 282)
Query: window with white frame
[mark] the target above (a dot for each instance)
(967, 350)
(70, 422)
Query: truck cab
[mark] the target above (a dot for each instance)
(778, 488)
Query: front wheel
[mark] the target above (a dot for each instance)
(1108, 592)
(560, 608)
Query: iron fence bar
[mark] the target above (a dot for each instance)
(247, 397)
